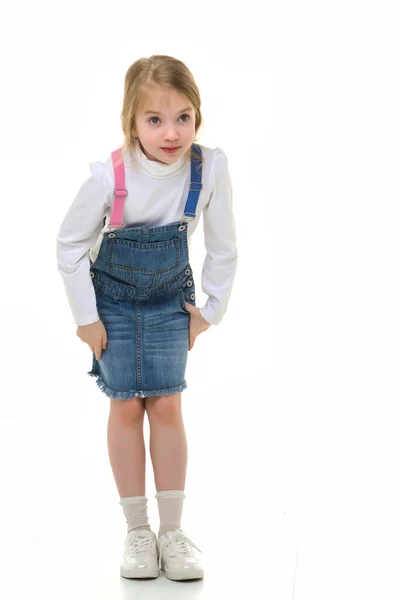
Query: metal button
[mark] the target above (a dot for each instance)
(187, 272)
(91, 274)
(189, 283)
(192, 296)
(181, 227)
(111, 235)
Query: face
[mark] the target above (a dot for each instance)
(166, 119)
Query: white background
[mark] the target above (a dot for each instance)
(291, 410)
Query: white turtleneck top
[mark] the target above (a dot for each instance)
(157, 195)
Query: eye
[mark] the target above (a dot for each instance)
(184, 115)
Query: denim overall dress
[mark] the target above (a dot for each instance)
(142, 279)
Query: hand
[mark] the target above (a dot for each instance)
(95, 336)
(198, 323)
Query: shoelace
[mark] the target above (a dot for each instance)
(179, 543)
(140, 543)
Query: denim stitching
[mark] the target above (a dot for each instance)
(110, 264)
(138, 347)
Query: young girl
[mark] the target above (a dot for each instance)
(123, 253)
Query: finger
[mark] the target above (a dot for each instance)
(104, 343)
(98, 353)
(192, 338)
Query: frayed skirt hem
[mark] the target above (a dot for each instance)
(138, 393)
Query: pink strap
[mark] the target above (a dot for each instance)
(120, 192)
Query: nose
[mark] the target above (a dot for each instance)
(170, 134)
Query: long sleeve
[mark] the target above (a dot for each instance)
(78, 233)
(220, 263)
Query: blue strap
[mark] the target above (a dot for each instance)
(195, 187)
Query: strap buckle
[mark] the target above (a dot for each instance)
(120, 193)
(187, 218)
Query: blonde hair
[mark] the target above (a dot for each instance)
(144, 75)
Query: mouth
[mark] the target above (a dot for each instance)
(170, 149)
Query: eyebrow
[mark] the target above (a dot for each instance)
(155, 112)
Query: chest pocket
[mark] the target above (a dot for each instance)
(143, 265)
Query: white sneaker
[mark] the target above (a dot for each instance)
(140, 555)
(177, 556)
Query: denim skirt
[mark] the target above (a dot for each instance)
(147, 345)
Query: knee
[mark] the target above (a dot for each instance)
(130, 412)
(164, 409)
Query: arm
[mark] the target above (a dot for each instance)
(78, 233)
(220, 241)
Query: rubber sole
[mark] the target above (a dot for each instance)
(140, 573)
(184, 576)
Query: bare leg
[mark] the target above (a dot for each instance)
(126, 447)
(168, 446)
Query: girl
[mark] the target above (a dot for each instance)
(123, 253)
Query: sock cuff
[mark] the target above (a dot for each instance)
(133, 500)
(171, 494)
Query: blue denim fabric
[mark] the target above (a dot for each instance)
(141, 288)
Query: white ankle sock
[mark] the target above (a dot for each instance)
(135, 511)
(170, 504)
